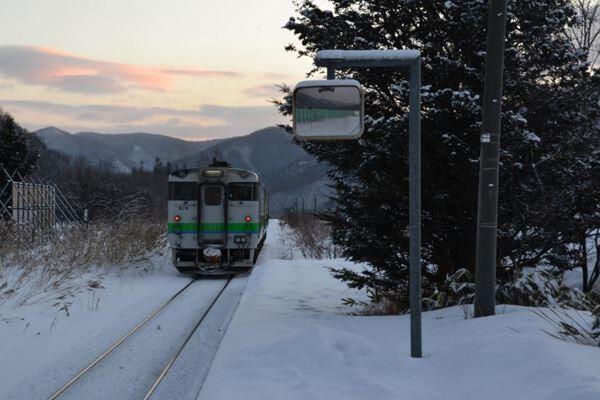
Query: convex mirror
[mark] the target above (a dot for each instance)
(328, 110)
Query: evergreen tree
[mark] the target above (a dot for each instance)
(15, 155)
(544, 134)
(159, 168)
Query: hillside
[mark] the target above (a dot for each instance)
(123, 152)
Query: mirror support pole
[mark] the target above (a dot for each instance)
(405, 60)
(330, 73)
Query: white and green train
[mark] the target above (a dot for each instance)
(217, 219)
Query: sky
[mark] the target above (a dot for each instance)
(193, 69)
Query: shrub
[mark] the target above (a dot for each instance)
(309, 235)
(34, 262)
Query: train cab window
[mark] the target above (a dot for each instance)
(183, 191)
(212, 195)
(243, 192)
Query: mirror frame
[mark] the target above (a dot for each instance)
(330, 83)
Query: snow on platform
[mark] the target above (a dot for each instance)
(291, 339)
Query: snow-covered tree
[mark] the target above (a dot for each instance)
(549, 135)
(586, 34)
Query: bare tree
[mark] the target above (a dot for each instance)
(585, 36)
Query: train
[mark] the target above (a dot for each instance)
(217, 219)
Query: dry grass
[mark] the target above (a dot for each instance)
(52, 266)
(384, 307)
(580, 325)
(309, 235)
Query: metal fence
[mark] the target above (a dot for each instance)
(28, 201)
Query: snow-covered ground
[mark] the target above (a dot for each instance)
(41, 345)
(291, 339)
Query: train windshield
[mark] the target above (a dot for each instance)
(183, 191)
(212, 195)
(243, 192)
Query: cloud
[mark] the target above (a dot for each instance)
(101, 113)
(264, 91)
(270, 76)
(206, 122)
(7, 86)
(96, 84)
(202, 73)
(68, 72)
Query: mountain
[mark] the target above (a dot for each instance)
(122, 152)
(290, 174)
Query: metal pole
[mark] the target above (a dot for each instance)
(403, 59)
(47, 208)
(487, 213)
(57, 204)
(414, 217)
(67, 205)
(330, 73)
(23, 199)
(33, 208)
(4, 207)
(40, 191)
(39, 208)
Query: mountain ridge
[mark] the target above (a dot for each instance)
(288, 171)
(123, 152)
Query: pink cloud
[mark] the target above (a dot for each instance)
(61, 70)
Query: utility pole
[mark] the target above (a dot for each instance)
(487, 213)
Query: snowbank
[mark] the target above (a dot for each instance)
(291, 339)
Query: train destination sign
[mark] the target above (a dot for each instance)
(328, 110)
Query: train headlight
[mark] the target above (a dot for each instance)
(240, 239)
(207, 173)
(177, 218)
(247, 218)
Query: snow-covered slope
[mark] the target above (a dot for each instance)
(290, 339)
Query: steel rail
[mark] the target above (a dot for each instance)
(168, 366)
(116, 344)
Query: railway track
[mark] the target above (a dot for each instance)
(136, 364)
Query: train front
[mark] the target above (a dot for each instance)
(215, 220)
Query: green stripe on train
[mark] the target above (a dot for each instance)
(252, 227)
